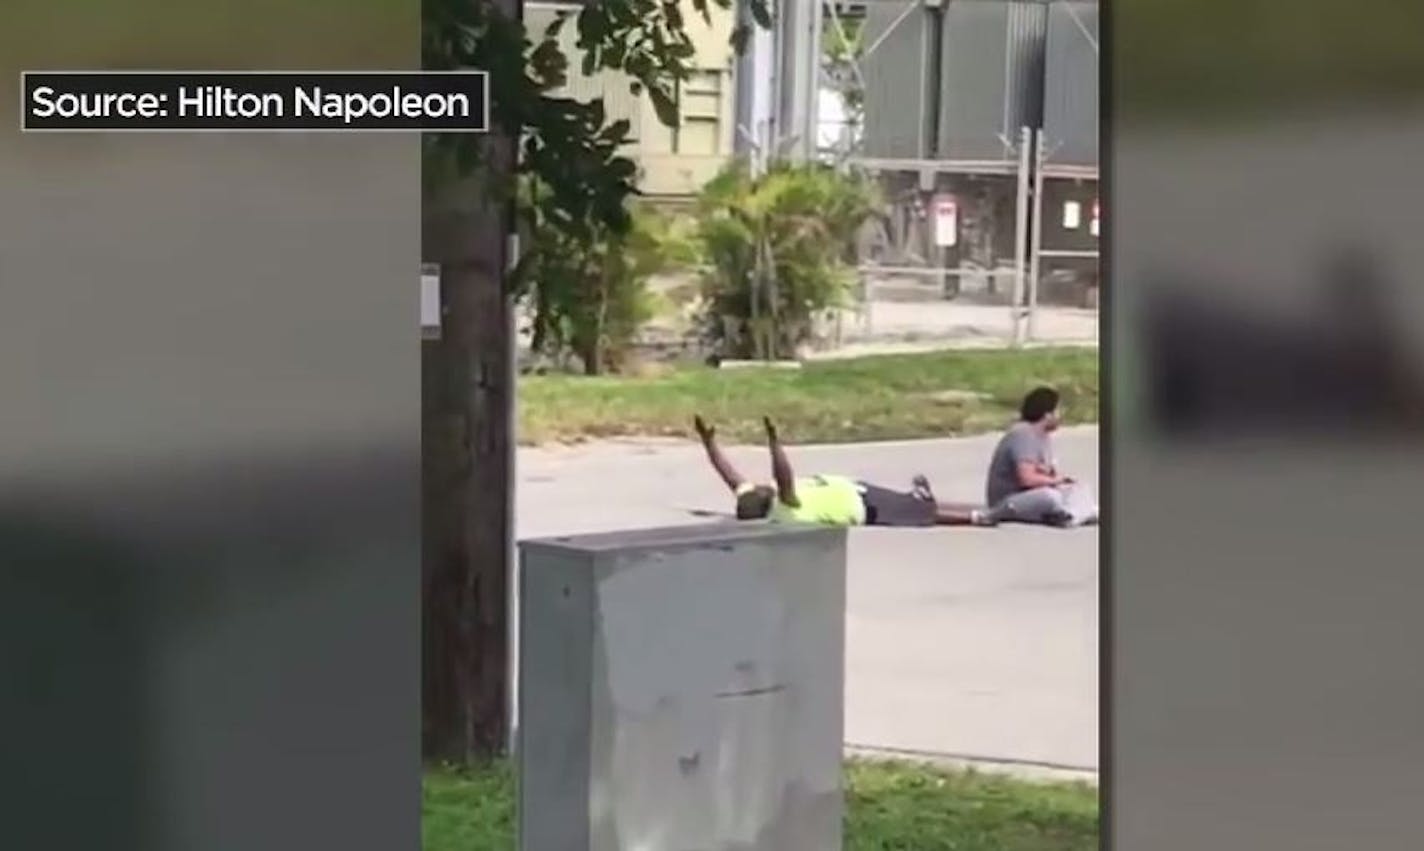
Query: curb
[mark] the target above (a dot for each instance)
(1018, 769)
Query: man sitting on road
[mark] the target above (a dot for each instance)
(830, 500)
(1024, 484)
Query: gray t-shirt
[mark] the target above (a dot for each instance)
(1022, 442)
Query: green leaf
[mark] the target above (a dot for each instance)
(623, 168)
(665, 106)
(672, 11)
(761, 13)
(549, 64)
(592, 26)
(618, 131)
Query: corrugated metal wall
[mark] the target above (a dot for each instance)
(618, 102)
(897, 89)
(1026, 34)
(1070, 117)
(991, 76)
(1005, 64)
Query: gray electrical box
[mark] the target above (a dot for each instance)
(682, 690)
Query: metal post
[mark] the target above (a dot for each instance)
(744, 138)
(1021, 216)
(512, 679)
(1035, 235)
(798, 27)
(811, 31)
(755, 79)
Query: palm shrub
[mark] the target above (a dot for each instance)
(778, 250)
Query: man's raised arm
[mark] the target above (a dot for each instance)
(781, 467)
(719, 462)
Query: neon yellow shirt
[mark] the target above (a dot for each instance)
(825, 501)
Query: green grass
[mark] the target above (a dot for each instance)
(912, 808)
(468, 810)
(890, 807)
(890, 397)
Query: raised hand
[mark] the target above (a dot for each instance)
(704, 431)
(771, 433)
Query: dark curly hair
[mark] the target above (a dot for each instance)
(755, 504)
(1039, 403)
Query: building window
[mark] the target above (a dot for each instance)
(700, 106)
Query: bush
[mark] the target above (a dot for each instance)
(589, 286)
(779, 248)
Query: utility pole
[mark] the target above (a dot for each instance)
(1022, 214)
(1035, 241)
(467, 457)
(798, 76)
(778, 78)
(753, 139)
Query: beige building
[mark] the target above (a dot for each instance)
(674, 162)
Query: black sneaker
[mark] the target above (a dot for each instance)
(921, 488)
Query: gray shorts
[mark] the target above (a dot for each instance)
(1064, 505)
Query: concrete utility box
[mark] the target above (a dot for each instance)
(682, 690)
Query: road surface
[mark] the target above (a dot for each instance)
(961, 643)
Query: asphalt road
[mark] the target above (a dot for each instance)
(961, 643)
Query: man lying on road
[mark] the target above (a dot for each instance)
(830, 500)
(1024, 484)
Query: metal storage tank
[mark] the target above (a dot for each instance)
(991, 77)
(898, 91)
(1070, 113)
